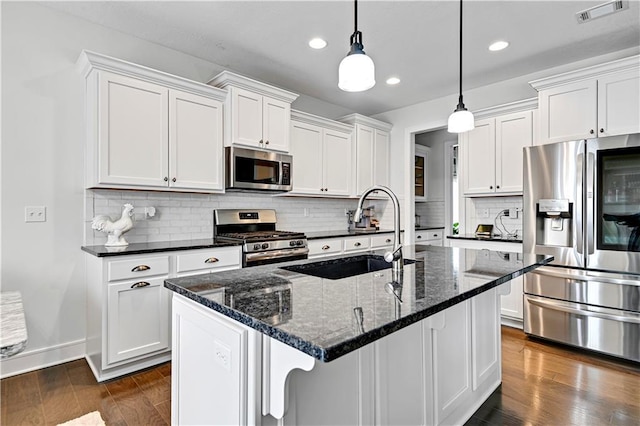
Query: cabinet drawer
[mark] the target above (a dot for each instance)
(324, 247)
(385, 240)
(430, 235)
(356, 244)
(138, 267)
(226, 257)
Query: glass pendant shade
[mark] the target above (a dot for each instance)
(461, 121)
(356, 72)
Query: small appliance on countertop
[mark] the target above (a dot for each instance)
(367, 223)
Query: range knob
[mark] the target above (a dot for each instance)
(265, 246)
(292, 243)
(256, 246)
(299, 242)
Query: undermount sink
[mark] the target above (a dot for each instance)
(345, 267)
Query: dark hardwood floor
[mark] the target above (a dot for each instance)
(542, 384)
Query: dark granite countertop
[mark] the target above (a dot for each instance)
(328, 318)
(497, 238)
(142, 248)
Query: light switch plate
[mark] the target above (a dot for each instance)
(35, 214)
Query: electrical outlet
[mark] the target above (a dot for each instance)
(35, 214)
(483, 213)
(306, 212)
(513, 213)
(222, 355)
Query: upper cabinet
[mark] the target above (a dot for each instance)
(372, 151)
(602, 100)
(491, 153)
(322, 153)
(257, 115)
(421, 161)
(150, 130)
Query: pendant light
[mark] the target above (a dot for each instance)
(356, 72)
(462, 119)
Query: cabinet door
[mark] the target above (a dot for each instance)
(381, 158)
(246, 117)
(619, 104)
(133, 135)
(337, 163)
(479, 153)
(275, 124)
(511, 304)
(137, 319)
(420, 172)
(485, 340)
(568, 112)
(306, 149)
(364, 157)
(195, 141)
(513, 133)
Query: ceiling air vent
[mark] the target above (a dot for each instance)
(601, 10)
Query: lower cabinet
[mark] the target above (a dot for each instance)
(352, 245)
(438, 371)
(430, 237)
(511, 304)
(129, 309)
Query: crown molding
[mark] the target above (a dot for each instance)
(230, 79)
(89, 62)
(512, 107)
(368, 121)
(316, 120)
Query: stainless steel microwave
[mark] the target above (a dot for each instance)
(249, 169)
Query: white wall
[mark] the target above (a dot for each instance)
(42, 165)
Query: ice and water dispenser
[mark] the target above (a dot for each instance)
(554, 219)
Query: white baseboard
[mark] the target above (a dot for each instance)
(512, 322)
(36, 359)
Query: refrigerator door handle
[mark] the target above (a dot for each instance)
(579, 241)
(578, 309)
(590, 201)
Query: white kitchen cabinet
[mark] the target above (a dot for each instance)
(372, 151)
(356, 244)
(128, 307)
(324, 247)
(257, 115)
(150, 130)
(602, 100)
(421, 161)
(322, 150)
(429, 237)
(492, 154)
(511, 305)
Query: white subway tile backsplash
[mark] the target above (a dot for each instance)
(182, 216)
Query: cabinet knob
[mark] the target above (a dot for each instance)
(326, 189)
(212, 260)
(591, 131)
(140, 284)
(326, 247)
(357, 244)
(491, 187)
(141, 268)
(173, 180)
(388, 240)
(601, 130)
(166, 179)
(266, 143)
(261, 142)
(497, 186)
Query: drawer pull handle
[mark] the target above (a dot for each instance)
(388, 240)
(140, 284)
(212, 260)
(357, 244)
(435, 235)
(141, 268)
(326, 247)
(419, 237)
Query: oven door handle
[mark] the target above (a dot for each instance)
(570, 308)
(276, 253)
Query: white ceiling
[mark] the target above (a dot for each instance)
(414, 40)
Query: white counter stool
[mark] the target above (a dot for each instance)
(13, 329)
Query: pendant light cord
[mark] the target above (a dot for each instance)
(460, 104)
(355, 14)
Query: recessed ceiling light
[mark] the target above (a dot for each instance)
(393, 80)
(317, 43)
(498, 45)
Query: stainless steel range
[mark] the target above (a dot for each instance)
(261, 242)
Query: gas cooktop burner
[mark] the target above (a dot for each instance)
(261, 235)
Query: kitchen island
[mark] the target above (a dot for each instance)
(268, 345)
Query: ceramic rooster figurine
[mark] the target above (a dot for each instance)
(115, 230)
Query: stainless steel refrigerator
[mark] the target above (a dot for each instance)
(582, 205)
